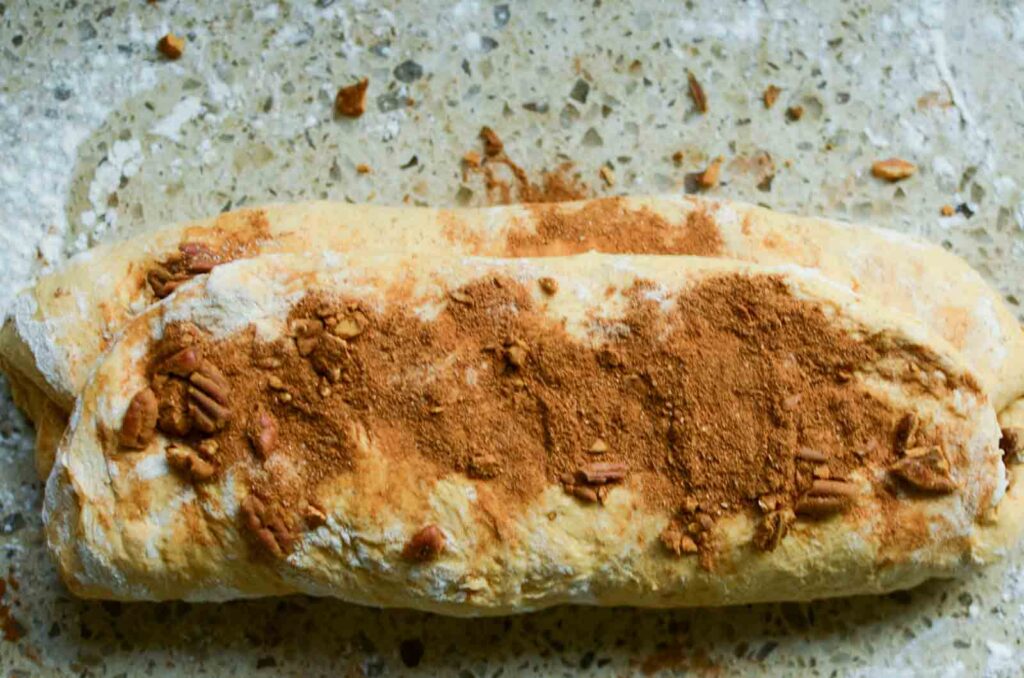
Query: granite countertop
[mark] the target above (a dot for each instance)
(103, 136)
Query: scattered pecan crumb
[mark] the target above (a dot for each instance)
(548, 286)
(139, 424)
(809, 454)
(171, 46)
(794, 113)
(189, 463)
(493, 145)
(1011, 442)
(484, 466)
(947, 210)
(351, 100)
(906, 430)
(771, 94)
(608, 175)
(425, 545)
(893, 169)
(598, 447)
(676, 540)
(263, 434)
(925, 468)
(700, 101)
(677, 157)
(471, 159)
(709, 177)
(363, 168)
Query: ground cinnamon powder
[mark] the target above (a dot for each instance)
(611, 225)
(740, 393)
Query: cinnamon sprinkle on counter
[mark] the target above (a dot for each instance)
(350, 101)
(702, 411)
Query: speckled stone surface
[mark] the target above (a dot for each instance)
(101, 136)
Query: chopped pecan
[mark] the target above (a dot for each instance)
(139, 424)
(190, 463)
(602, 472)
(351, 100)
(906, 429)
(676, 540)
(314, 516)
(893, 169)
(794, 113)
(209, 398)
(548, 286)
(709, 177)
(700, 100)
(584, 493)
(171, 46)
(350, 325)
(810, 454)
(598, 447)
(269, 525)
(307, 333)
(515, 353)
(826, 497)
(483, 466)
(173, 412)
(492, 143)
(426, 545)
(1011, 442)
(925, 468)
(263, 433)
(772, 529)
(771, 94)
(182, 362)
(163, 282)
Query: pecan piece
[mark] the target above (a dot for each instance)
(492, 142)
(906, 429)
(190, 464)
(182, 362)
(210, 398)
(1011, 442)
(825, 498)
(925, 469)
(350, 326)
(351, 99)
(163, 282)
(676, 540)
(548, 286)
(263, 434)
(810, 454)
(425, 545)
(139, 424)
(602, 472)
(171, 46)
(172, 415)
(893, 169)
(584, 493)
(773, 529)
(269, 526)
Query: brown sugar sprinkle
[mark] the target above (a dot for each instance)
(692, 410)
(794, 113)
(770, 96)
(493, 146)
(677, 157)
(548, 286)
(171, 46)
(700, 100)
(350, 101)
(893, 169)
(607, 175)
(611, 225)
(947, 210)
(363, 168)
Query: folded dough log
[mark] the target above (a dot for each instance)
(60, 325)
(485, 436)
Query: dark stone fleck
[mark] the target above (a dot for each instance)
(411, 651)
(382, 48)
(535, 107)
(12, 523)
(587, 660)
(413, 161)
(466, 69)
(125, 49)
(842, 97)
(408, 71)
(62, 93)
(86, 31)
(766, 650)
(54, 630)
(835, 42)
(324, 3)
(1013, 300)
(961, 644)
(487, 44)
(105, 14)
(268, 103)
(765, 185)
(580, 91)
(17, 40)
(965, 209)
(389, 101)
(501, 15)
(266, 663)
